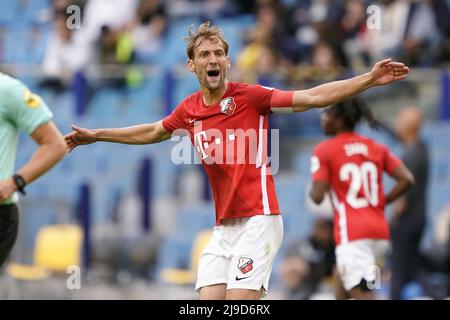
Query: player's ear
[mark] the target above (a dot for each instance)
(229, 62)
(191, 65)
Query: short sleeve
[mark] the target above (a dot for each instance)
(259, 97)
(391, 162)
(26, 109)
(320, 168)
(175, 120)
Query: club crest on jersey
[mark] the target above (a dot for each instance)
(227, 106)
(245, 264)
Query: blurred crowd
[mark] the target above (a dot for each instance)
(290, 40)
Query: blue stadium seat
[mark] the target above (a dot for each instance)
(145, 102)
(24, 44)
(173, 253)
(435, 133)
(291, 198)
(176, 249)
(56, 188)
(39, 37)
(32, 219)
(33, 10)
(164, 171)
(104, 107)
(8, 11)
(302, 163)
(305, 124)
(15, 45)
(175, 47)
(234, 30)
(185, 86)
(192, 219)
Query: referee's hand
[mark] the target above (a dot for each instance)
(7, 188)
(79, 136)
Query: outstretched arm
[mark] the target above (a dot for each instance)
(384, 72)
(139, 134)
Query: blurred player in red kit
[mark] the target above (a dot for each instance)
(350, 167)
(237, 262)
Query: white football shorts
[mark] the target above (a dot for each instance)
(360, 259)
(241, 252)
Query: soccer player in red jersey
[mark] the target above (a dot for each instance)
(237, 263)
(350, 167)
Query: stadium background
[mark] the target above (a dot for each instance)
(139, 212)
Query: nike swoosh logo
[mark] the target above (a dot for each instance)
(238, 279)
(192, 120)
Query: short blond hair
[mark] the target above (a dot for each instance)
(204, 31)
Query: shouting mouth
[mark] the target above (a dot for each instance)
(213, 75)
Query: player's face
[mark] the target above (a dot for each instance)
(326, 122)
(210, 63)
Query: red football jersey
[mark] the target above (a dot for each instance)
(353, 166)
(230, 137)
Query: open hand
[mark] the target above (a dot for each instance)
(387, 71)
(79, 136)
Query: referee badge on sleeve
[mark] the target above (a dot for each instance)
(32, 100)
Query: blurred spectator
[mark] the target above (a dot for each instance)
(421, 34)
(326, 60)
(309, 21)
(64, 56)
(442, 13)
(387, 41)
(149, 10)
(114, 13)
(308, 261)
(267, 46)
(149, 30)
(268, 68)
(115, 48)
(203, 9)
(353, 20)
(62, 5)
(325, 64)
(353, 29)
(244, 7)
(409, 218)
(259, 40)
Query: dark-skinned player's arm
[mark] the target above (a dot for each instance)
(318, 191)
(320, 174)
(404, 181)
